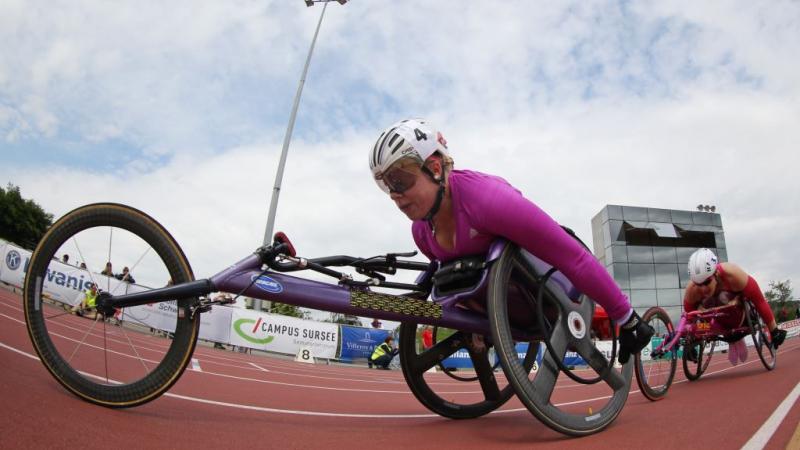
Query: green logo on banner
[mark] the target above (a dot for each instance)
(237, 327)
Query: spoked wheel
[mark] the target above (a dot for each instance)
(694, 369)
(762, 343)
(112, 357)
(655, 375)
(513, 275)
(450, 372)
(474, 397)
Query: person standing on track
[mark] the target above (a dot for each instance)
(456, 213)
(718, 283)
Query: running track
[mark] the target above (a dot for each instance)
(243, 401)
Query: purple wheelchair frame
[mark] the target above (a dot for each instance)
(247, 277)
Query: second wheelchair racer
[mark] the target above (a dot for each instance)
(718, 283)
(457, 213)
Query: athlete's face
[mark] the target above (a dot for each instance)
(420, 191)
(708, 287)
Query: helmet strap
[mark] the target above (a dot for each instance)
(435, 208)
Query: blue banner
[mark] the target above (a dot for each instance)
(358, 342)
(461, 359)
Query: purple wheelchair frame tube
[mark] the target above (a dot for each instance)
(248, 277)
(284, 288)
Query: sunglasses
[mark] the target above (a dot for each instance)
(705, 283)
(398, 179)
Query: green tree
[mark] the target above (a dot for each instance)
(288, 310)
(779, 291)
(344, 319)
(21, 221)
(779, 297)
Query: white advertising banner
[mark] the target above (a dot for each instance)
(215, 325)
(62, 282)
(283, 334)
(3, 254)
(15, 261)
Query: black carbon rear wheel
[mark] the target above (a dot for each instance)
(655, 376)
(469, 397)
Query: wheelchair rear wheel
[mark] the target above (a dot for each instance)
(569, 322)
(452, 399)
(655, 375)
(758, 332)
(694, 369)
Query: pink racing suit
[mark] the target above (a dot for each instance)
(486, 207)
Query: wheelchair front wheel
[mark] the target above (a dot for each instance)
(147, 349)
(655, 375)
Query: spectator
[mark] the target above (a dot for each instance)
(107, 271)
(65, 258)
(86, 307)
(427, 337)
(383, 354)
(126, 276)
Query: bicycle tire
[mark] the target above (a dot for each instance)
(39, 305)
(537, 394)
(660, 321)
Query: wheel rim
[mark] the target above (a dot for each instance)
(468, 396)
(113, 358)
(693, 370)
(539, 392)
(655, 375)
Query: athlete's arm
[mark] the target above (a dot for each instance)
(498, 209)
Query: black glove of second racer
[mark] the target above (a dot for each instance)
(634, 335)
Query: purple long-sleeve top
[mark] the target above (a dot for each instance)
(486, 207)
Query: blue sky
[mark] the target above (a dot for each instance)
(579, 104)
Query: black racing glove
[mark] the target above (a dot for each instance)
(634, 335)
(778, 336)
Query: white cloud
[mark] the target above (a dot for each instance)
(579, 105)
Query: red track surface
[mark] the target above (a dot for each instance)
(243, 401)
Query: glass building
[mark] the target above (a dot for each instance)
(647, 250)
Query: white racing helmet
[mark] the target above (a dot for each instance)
(410, 138)
(702, 265)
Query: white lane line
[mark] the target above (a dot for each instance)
(196, 365)
(795, 392)
(259, 367)
(20, 352)
(764, 434)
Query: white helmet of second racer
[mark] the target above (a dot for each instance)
(408, 139)
(702, 265)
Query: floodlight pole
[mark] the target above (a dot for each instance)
(276, 190)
